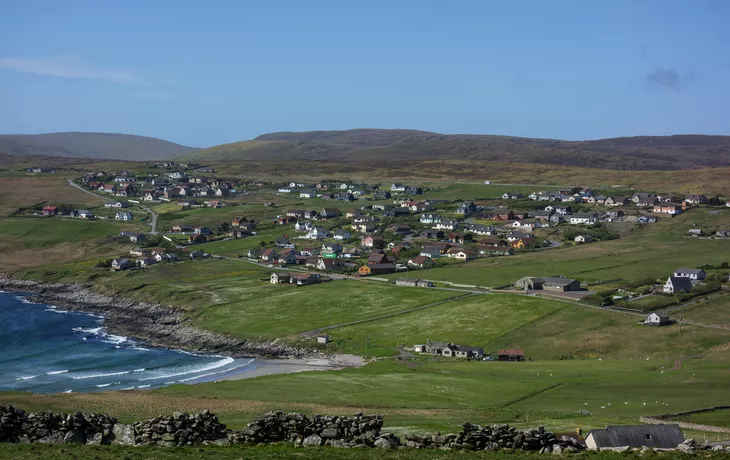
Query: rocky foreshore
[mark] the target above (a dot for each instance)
(154, 324)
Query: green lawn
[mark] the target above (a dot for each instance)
(715, 418)
(714, 310)
(476, 320)
(45, 232)
(460, 191)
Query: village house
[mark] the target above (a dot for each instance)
(462, 351)
(167, 257)
(397, 188)
(614, 214)
(493, 243)
(431, 252)
(616, 201)
(318, 233)
(669, 208)
(676, 284)
(125, 215)
(143, 262)
(513, 196)
(696, 199)
(330, 213)
(303, 226)
(283, 242)
(364, 227)
(378, 257)
(325, 264)
(664, 436)
(447, 224)
(543, 215)
(515, 235)
(694, 274)
(695, 232)
(524, 242)
(372, 241)
(342, 234)
(657, 318)
(432, 234)
(400, 229)
(375, 269)
(116, 204)
(84, 214)
(550, 283)
(49, 210)
(583, 218)
(462, 253)
(495, 251)
(421, 262)
(335, 248)
(503, 214)
(307, 194)
(461, 238)
(583, 239)
(641, 196)
(269, 255)
(396, 212)
(429, 218)
(138, 252)
(304, 279)
(466, 208)
(121, 264)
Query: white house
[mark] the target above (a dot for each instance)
(677, 284)
(116, 204)
(447, 224)
(303, 226)
(342, 234)
(691, 273)
(429, 218)
(124, 215)
(85, 214)
(583, 218)
(397, 188)
(317, 233)
(285, 190)
(657, 319)
(307, 194)
(583, 239)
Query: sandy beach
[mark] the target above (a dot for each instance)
(288, 366)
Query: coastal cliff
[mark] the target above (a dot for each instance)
(154, 324)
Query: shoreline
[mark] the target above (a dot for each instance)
(264, 367)
(152, 324)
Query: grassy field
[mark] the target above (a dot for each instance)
(461, 191)
(713, 310)
(715, 418)
(654, 252)
(476, 320)
(26, 189)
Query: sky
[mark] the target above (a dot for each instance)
(206, 73)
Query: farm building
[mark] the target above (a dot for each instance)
(323, 339)
(412, 282)
(510, 355)
(462, 351)
(654, 436)
(550, 283)
(657, 318)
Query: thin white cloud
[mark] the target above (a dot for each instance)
(72, 68)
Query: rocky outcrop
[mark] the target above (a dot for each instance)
(155, 324)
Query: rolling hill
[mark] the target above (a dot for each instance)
(379, 145)
(104, 146)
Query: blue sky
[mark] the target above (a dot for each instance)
(204, 73)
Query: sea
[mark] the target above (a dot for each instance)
(45, 349)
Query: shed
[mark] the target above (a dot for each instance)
(655, 436)
(510, 355)
(657, 318)
(324, 338)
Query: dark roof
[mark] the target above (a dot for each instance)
(557, 281)
(681, 283)
(693, 271)
(655, 436)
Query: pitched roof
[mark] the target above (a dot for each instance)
(420, 260)
(557, 281)
(680, 283)
(693, 271)
(656, 436)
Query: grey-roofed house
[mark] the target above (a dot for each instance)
(691, 273)
(657, 318)
(550, 283)
(676, 284)
(655, 436)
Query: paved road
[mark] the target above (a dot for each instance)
(153, 214)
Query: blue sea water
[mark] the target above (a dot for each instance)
(48, 350)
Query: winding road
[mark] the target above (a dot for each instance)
(153, 214)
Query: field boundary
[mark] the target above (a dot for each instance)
(664, 418)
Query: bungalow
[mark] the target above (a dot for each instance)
(378, 257)
(270, 255)
(524, 242)
(304, 279)
(197, 255)
(202, 231)
(167, 257)
(543, 215)
(614, 214)
(412, 282)
(375, 269)
(345, 197)
(510, 355)
(329, 213)
(397, 212)
(307, 194)
(197, 238)
(381, 195)
(342, 234)
(372, 242)
(481, 229)
(668, 208)
(641, 196)
(145, 261)
(116, 204)
(125, 215)
(461, 238)
(462, 351)
(298, 213)
(563, 210)
(496, 251)
(447, 224)
(422, 262)
(676, 284)
(49, 210)
(648, 202)
(84, 214)
(397, 188)
(303, 226)
(311, 214)
(583, 239)
(695, 231)
(432, 234)
(550, 283)
(691, 273)
(514, 235)
(466, 208)
(663, 436)
(177, 228)
(493, 243)
(108, 188)
(583, 218)
(462, 254)
(419, 207)
(283, 242)
(286, 220)
(332, 247)
(121, 264)
(513, 196)
(400, 229)
(365, 227)
(137, 237)
(414, 190)
(428, 251)
(659, 318)
(505, 214)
